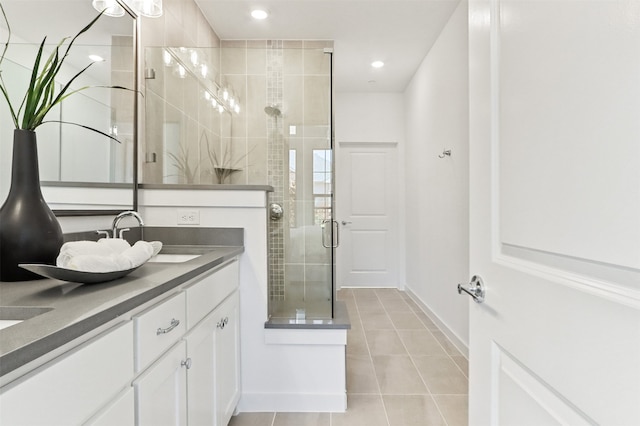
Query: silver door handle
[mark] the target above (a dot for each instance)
(345, 223)
(173, 324)
(475, 289)
(186, 363)
(335, 231)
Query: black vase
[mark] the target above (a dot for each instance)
(29, 231)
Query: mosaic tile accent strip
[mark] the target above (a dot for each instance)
(276, 168)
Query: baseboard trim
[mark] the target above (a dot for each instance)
(457, 342)
(292, 402)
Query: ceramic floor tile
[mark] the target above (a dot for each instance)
(395, 305)
(252, 419)
(404, 399)
(462, 362)
(405, 320)
(421, 343)
(430, 325)
(388, 293)
(362, 410)
(412, 410)
(369, 306)
(344, 294)
(357, 343)
(454, 408)
(384, 342)
(446, 343)
(302, 419)
(441, 375)
(365, 294)
(361, 377)
(397, 375)
(376, 321)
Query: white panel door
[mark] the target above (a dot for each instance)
(366, 191)
(555, 212)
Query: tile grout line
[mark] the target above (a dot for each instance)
(412, 360)
(439, 342)
(375, 375)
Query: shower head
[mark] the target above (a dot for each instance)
(272, 111)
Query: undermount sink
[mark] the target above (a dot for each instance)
(172, 258)
(12, 315)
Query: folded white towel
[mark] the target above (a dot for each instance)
(138, 254)
(106, 255)
(118, 245)
(94, 263)
(83, 248)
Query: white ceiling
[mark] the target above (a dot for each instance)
(398, 32)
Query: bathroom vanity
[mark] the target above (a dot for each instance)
(160, 345)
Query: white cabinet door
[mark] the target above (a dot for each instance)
(72, 388)
(120, 412)
(200, 375)
(161, 391)
(555, 212)
(227, 357)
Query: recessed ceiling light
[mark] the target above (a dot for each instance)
(259, 14)
(377, 64)
(96, 58)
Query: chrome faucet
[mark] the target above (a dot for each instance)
(116, 222)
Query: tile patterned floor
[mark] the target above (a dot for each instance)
(401, 370)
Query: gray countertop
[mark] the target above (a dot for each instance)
(79, 309)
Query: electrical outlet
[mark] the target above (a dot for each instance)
(188, 217)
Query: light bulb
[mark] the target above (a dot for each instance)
(259, 14)
(110, 7)
(148, 8)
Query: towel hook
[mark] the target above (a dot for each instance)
(445, 153)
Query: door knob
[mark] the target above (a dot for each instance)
(475, 289)
(345, 223)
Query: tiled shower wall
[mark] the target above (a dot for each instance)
(294, 76)
(181, 25)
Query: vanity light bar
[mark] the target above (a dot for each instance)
(114, 8)
(221, 98)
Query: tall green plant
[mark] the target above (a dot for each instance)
(41, 95)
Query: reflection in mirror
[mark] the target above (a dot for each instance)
(189, 118)
(71, 156)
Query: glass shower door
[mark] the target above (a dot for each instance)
(306, 226)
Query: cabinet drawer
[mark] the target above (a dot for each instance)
(157, 328)
(210, 291)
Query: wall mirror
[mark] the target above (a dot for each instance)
(82, 172)
(189, 119)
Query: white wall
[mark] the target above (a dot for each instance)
(437, 190)
(369, 117)
(373, 117)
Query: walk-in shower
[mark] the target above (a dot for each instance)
(301, 172)
(262, 115)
